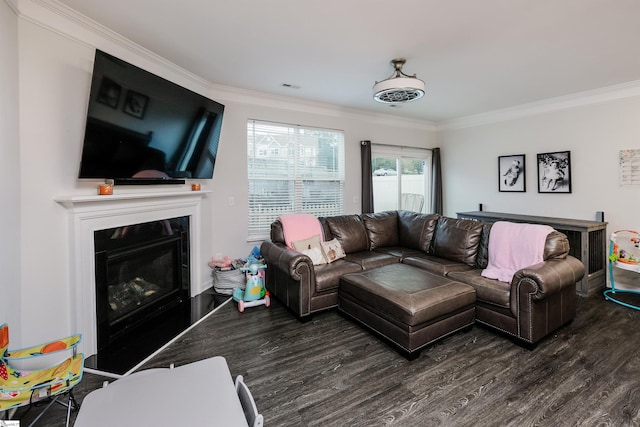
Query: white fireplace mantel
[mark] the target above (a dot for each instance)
(89, 213)
(75, 201)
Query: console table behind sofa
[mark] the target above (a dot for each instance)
(587, 240)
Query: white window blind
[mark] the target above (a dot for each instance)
(292, 169)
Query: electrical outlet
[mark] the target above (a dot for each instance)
(356, 200)
(232, 201)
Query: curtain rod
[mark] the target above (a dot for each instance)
(365, 142)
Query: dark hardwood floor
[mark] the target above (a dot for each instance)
(331, 372)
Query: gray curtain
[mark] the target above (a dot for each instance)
(367, 177)
(436, 182)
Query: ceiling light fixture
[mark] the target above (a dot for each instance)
(398, 88)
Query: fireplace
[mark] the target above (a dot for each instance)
(91, 213)
(142, 271)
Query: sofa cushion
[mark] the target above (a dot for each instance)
(434, 264)
(482, 259)
(371, 259)
(350, 232)
(382, 228)
(399, 251)
(276, 234)
(415, 230)
(556, 246)
(457, 239)
(328, 275)
(491, 291)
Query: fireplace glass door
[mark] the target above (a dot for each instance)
(139, 273)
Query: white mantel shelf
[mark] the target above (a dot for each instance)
(73, 200)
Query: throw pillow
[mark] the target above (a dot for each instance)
(311, 248)
(316, 255)
(332, 250)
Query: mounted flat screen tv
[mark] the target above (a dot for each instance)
(143, 129)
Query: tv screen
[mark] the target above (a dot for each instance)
(141, 127)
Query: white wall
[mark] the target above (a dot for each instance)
(230, 178)
(593, 133)
(10, 296)
(55, 60)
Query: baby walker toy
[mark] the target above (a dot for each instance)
(254, 293)
(624, 253)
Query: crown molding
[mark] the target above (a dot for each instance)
(249, 97)
(67, 22)
(580, 99)
(13, 5)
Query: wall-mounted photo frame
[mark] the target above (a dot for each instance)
(511, 173)
(135, 104)
(109, 93)
(554, 172)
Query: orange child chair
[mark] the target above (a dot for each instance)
(26, 387)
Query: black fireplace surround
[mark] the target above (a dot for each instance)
(142, 270)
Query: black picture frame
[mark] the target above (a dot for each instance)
(135, 104)
(554, 172)
(109, 93)
(511, 173)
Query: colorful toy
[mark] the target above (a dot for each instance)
(254, 292)
(624, 254)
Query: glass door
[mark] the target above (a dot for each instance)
(401, 179)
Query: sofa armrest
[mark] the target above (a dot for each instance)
(290, 277)
(278, 255)
(547, 278)
(543, 297)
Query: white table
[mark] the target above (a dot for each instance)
(198, 394)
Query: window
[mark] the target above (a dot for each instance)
(401, 178)
(305, 174)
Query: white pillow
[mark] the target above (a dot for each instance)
(332, 250)
(311, 248)
(316, 255)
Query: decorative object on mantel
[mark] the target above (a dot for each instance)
(554, 172)
(511, 173)
(398, 88)
(195, 187)
(105, 189)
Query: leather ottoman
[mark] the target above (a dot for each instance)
(407, 305)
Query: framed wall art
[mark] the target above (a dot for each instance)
(135, 104)
(554, 172)
(109, 93)
(511, 176)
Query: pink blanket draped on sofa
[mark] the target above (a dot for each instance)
(514, 246)
(299, 227)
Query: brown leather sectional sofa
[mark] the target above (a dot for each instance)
(540, 298)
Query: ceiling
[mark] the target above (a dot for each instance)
(475, 56)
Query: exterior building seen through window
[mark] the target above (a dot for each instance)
(292, 169)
